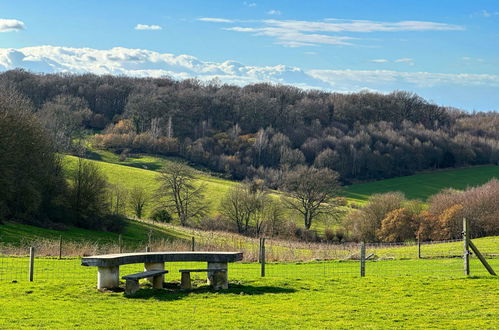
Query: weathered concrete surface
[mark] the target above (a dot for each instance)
(108, 277)
(109, 260)
(156, 281)
(218, 278)
(131, 286)
(185, 281)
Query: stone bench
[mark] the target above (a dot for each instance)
(216, 276)
(108, 265)
(132, 281)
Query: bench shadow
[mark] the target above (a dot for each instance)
(172, 291)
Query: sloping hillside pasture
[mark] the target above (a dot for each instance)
(141, 170)
(130, 176)
(423, 185)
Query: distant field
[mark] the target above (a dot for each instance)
(135, 232)
(141, 171)
(421, 186)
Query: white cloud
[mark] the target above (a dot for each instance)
(215, 20)
(147, 27)
(7, 25)
(472, 59)
(338, 25)
(381, 79)
(407, 60)
(380, 60)
(486, 13)
(295, 33)
(295, 38)
(274, 12)
(249, 4)
(146, 63)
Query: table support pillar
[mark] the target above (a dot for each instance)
(219, 280)
(108, 277)
(157, 281)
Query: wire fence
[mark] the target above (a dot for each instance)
(281, 260)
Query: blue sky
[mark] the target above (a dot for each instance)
(446, 51)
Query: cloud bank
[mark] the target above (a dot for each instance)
(296, 33)
(147, 63)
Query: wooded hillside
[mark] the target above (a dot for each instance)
(261, 129)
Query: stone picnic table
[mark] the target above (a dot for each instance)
(108, 265)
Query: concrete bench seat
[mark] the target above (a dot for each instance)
(185, 281)
(132, 281)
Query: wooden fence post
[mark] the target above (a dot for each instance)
(120, 244)
(31, 263)
(466, 247)
(193, 244)
(262, 256)
(362, 259)
(419, 248)
(60, 247)
(482, 259)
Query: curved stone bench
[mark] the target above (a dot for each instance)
(108, 264)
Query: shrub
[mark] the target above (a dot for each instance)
(161, 215)
(399, 225)
(478, 204)
(363, 224)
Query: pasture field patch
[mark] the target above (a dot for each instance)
(294, 295)
(134, 233)
(130, 176)
(423, 185)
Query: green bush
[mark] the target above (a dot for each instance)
(161, 215)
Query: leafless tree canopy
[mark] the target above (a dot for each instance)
(311, 192)
(180, 194)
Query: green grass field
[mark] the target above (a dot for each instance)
(421, 186)
(135, 233)
(130, 176)
(141, 170)
(306, 295)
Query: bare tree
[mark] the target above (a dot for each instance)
(138, 200)
(243, 205)
(89, 194)
(179, 193)
(273, 215)
(119, 195)
(311, 192)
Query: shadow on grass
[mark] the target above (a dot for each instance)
(145, 166)
(172, 291)
(92, 155)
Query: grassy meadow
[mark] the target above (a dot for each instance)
(142, 170)
(305, 295)
(423, 185)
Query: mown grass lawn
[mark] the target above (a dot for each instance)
(421, 186)
(297, 300)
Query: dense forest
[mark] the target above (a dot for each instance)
(262, 129)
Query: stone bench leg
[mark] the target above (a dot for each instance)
(185, 281)
(156, 281)
(218, 280)
(131, 286)
(108, 277)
